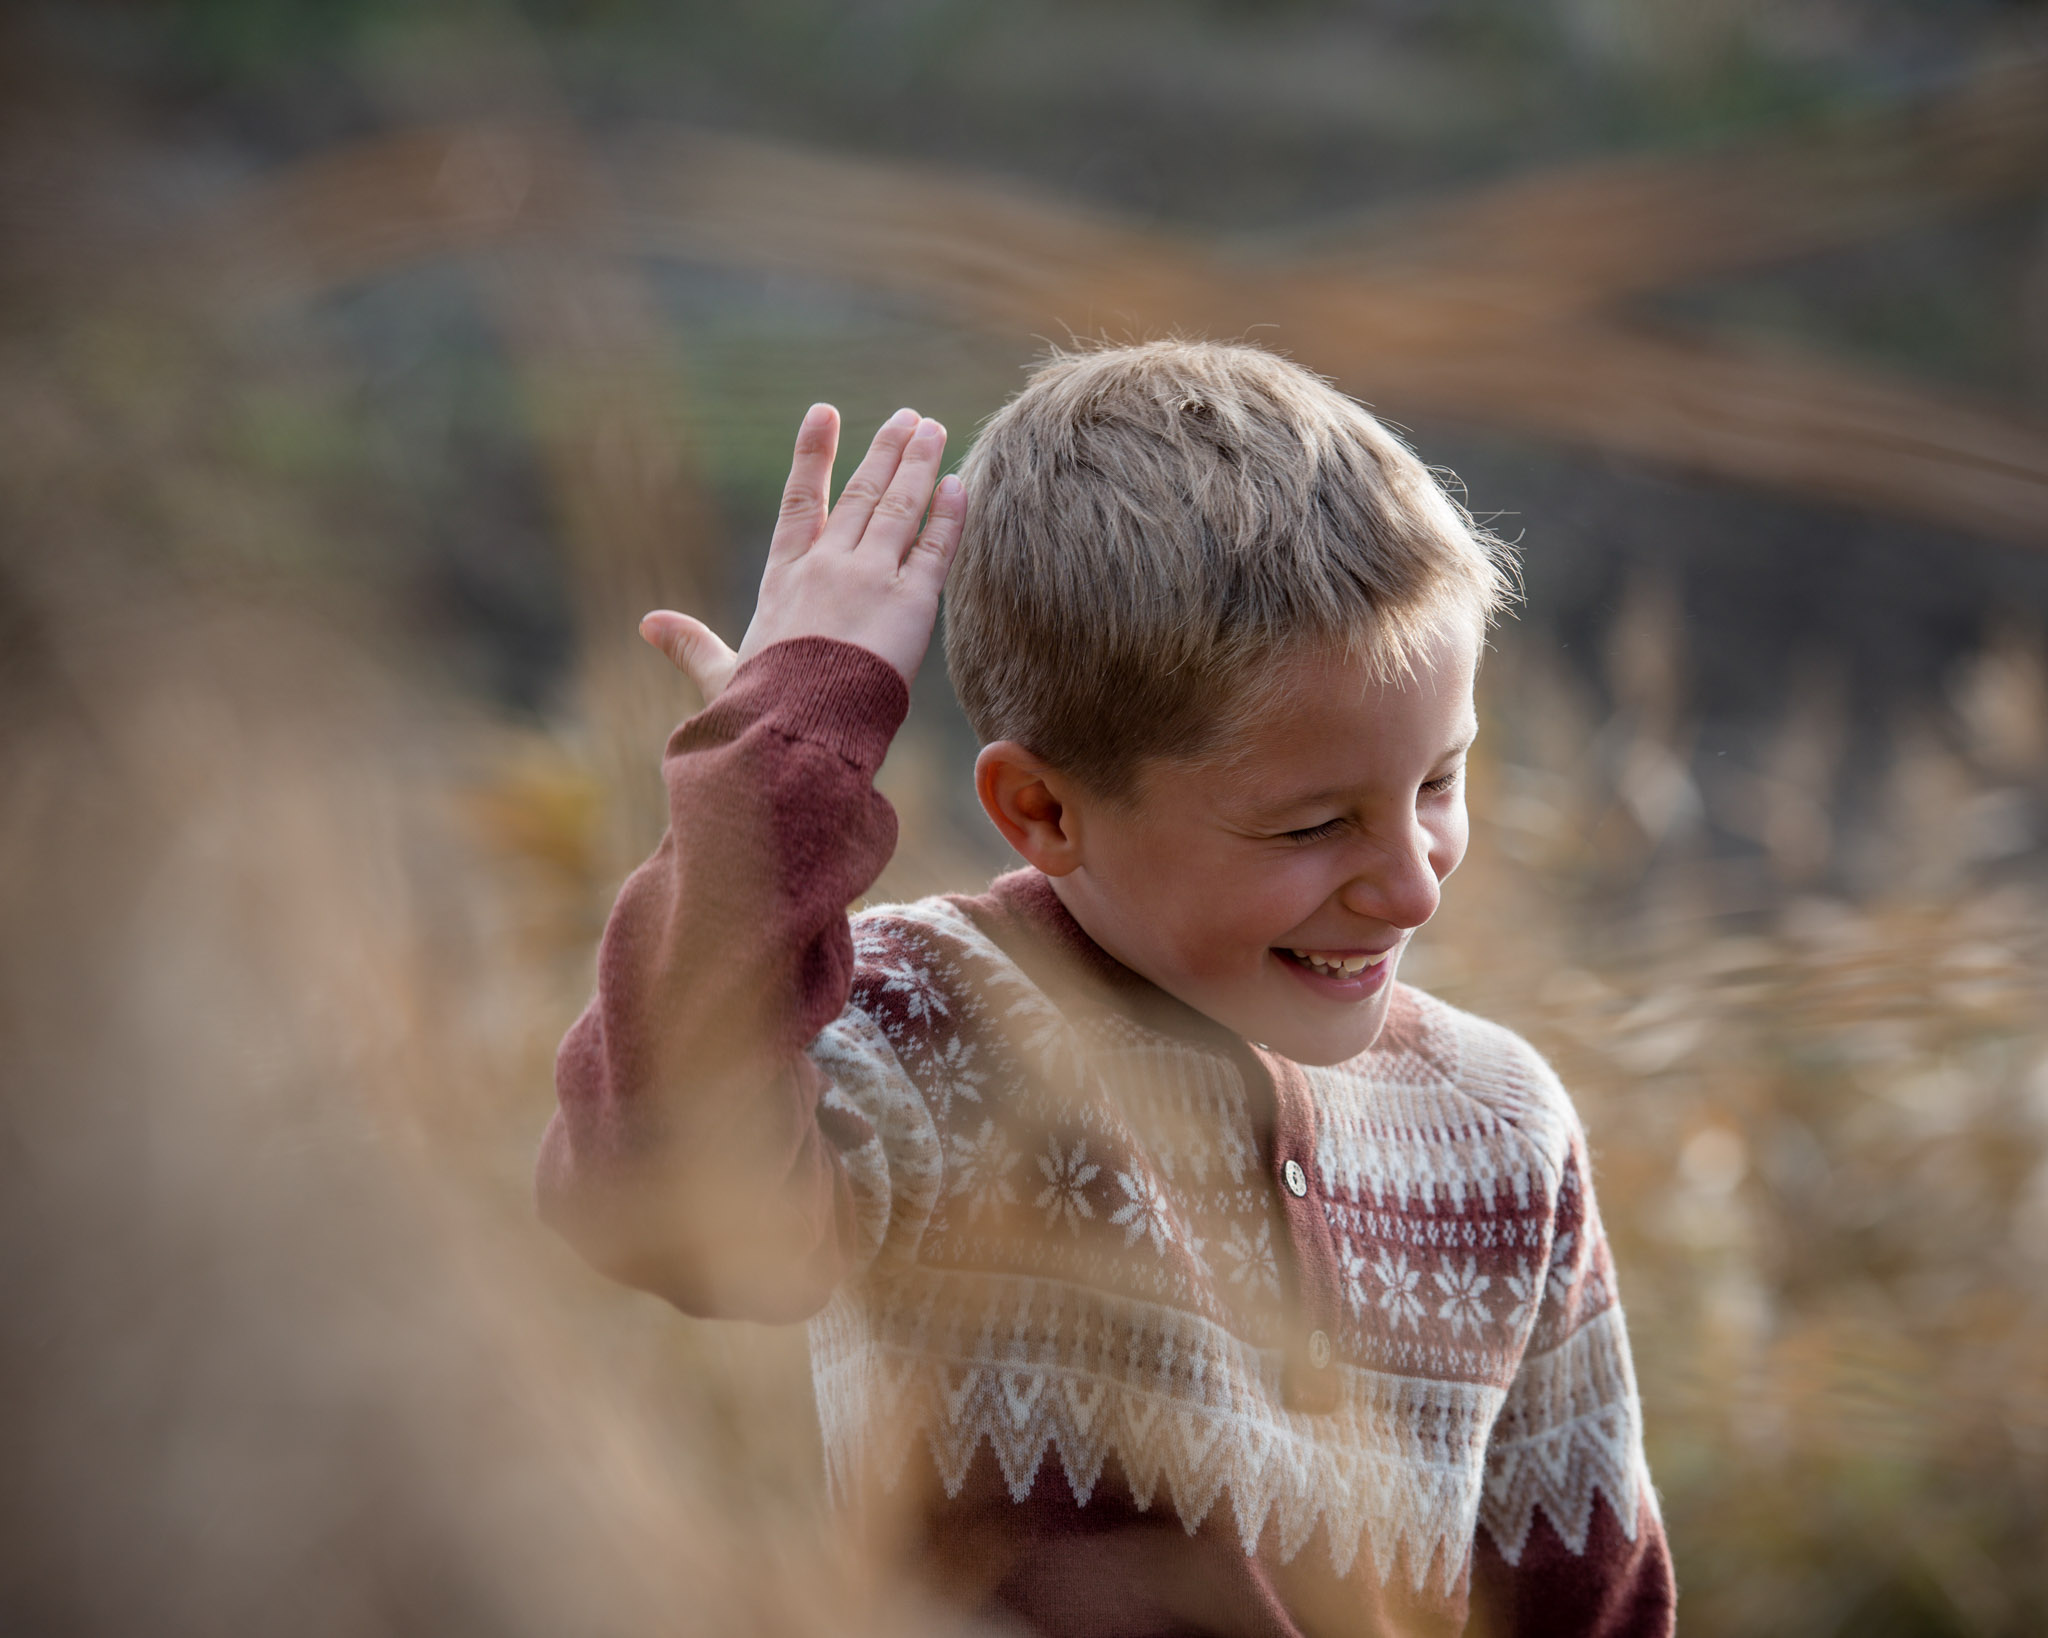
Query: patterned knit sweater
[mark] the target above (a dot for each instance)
(1166, 1333)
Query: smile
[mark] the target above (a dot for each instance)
(1336, 961)
(1342, 975)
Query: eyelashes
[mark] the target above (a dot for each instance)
(1330, 827)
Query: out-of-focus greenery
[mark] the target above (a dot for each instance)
(1235, 112)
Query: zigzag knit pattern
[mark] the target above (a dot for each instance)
(1071, 1249)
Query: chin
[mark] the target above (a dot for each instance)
(1320, 1048)
(1324, 1057)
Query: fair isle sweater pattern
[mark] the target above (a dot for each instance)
(1071, 1247)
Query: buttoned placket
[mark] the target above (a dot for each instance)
(1310, 1286)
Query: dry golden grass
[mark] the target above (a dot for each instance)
(1821, 1133)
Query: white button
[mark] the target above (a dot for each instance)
(1319, 1349)
(1297, 1185)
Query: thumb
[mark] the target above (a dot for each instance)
(693, 648)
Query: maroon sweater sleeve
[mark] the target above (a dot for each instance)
(1613, 1579)
(690, 1155)
(1615, 1588)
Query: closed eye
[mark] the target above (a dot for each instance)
(1329, 827)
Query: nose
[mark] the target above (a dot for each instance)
(1398, 884)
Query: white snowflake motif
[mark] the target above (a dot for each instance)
(922, 1002)
(1463, 1303)
(981, 1169)
(1043, 1034)
(1397, 1288)
(953, 1075)
(1066, 1176)
(1527, 1290)
(1146, 1212)
(1252, 1255)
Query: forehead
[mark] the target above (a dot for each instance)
(1325, 723)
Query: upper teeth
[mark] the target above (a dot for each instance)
(1339, 963)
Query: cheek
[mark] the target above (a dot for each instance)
(1268, 901)
(1231, 914)
(1448, 841)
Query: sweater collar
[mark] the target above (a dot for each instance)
(1023, 914)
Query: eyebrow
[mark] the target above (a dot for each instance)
(1287, 804)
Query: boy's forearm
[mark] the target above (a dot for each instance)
(688, 1154)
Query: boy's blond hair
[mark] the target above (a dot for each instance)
(1150, 526)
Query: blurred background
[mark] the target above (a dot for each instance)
(367, 368)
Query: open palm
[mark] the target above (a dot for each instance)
(862, 570)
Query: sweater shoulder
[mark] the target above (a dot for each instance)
(930, 930)
(1430, 1043)
(925, 968)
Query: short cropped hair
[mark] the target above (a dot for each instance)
(1149, 526)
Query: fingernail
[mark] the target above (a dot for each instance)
(928, 425)
(905, 417)
(949, 485)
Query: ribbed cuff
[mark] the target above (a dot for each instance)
(827, 692)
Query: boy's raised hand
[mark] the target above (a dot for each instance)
(861, 571)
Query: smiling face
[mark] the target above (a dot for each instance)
(1274, 889)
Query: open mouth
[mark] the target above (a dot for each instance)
(1347, 973)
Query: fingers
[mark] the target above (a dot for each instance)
(806, 494)
(870, 479)
(933, 553)
(693, 648)
(892, 527)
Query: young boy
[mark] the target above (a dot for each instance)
(1210, 1279)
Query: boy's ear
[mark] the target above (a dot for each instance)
(1031, 803)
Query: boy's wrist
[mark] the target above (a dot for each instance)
(825, 691)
